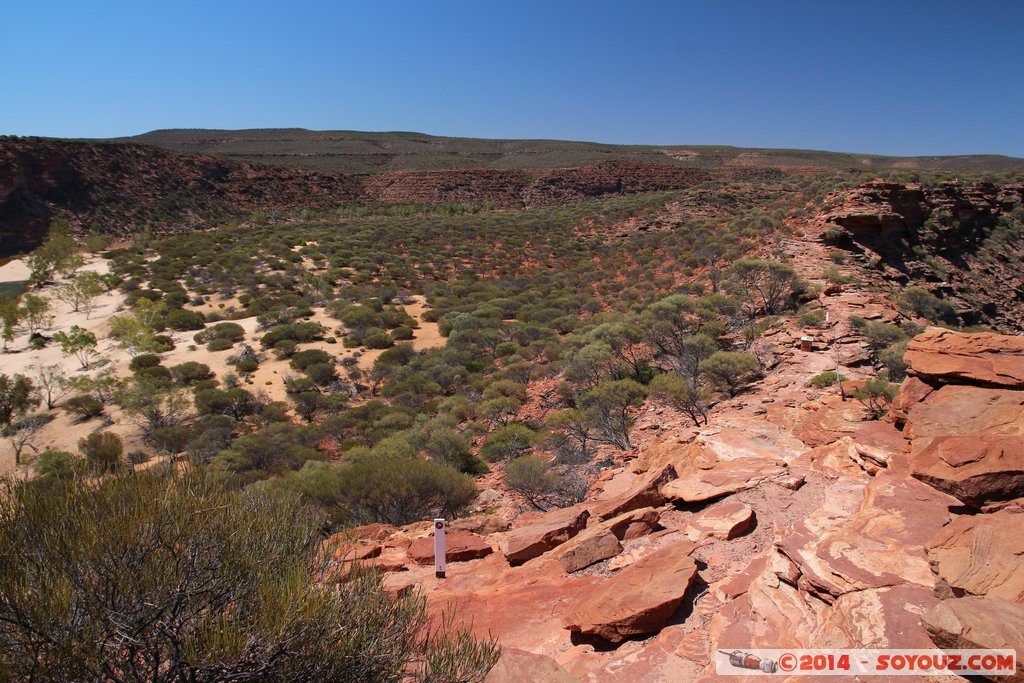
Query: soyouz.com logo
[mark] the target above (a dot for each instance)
(784, 662)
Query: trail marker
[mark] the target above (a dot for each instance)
(439, 548)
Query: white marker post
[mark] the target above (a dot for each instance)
(439, 548)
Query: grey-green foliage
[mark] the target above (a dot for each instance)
(136, 578)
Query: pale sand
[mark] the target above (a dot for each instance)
(64, 432)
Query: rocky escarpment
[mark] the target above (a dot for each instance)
(962, 242)
(122, 188)
(792, 520)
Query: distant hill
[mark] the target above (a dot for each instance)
(362, 153)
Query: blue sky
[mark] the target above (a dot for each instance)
(895, 76)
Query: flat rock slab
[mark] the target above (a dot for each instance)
(984, 358)
(721, 479)
(547, 531)
(639, 599)
(517, 666)
(460, 546)
(962, 410)
(981, 555)
(976, 469)
(726, 521)
(978, 623)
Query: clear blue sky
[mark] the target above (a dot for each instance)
(892, 76)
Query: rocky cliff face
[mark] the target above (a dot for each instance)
(963, 242)
(123, 188)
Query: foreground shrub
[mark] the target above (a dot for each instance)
(234, 593)
(402, 490)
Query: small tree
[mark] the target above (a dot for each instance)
(10, 314)
(532, 477)
(764, 287)
(17, 395)
(81, 291)
(78, 342)
(35, 311)
(877, 394)
(52, 385)
(23, 433)
(152, 405)
(730, 370)
(607, 409)
(672, 390)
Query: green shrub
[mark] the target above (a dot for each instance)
(812, 318)
(247, 366)
(730, 370)
(190, 372)
(252, 567)
(84, 407)
(827, 379)
(303, 359)
(145, 360)
(507, 442)
(927, 305)
(400, 490)
(102, 450)
(219, 344)
(182, 320)
(57, 465)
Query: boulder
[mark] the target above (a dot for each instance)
(639, 599)
(548, 531)
(984, 359)
(601, 541)
(977, 469)
(646, 494)
(725, 521)
(978, 623)
(460, 546)
(587, 548)
(981, 555)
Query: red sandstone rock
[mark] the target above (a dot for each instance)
(912, 391)
(985, 359)
(601, 541)
(981, 555)
(550, 530)
(460, 546)
(593, 545)
(484, 525)
(977, 469)
(639, 599)
(730, 477)
(955, 410)
(519, 666)
(645, 494)
(725, 521)
(978, 623)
